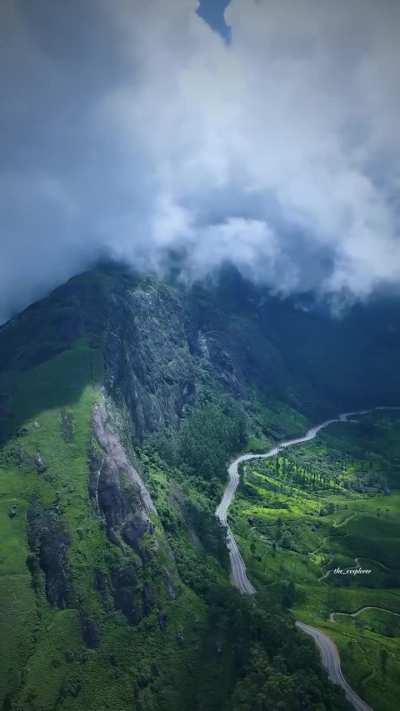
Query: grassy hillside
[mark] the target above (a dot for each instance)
(64, 642)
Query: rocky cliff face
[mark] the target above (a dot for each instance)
(148, 360)
(48, 541)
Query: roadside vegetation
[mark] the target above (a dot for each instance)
(331, 505)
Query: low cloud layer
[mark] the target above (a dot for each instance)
(130, 129)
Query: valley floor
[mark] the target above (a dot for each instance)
(320, 525)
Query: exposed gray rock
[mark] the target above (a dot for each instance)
(49, 541)
(127, 593)
(121, 496)
(135, 528)
(170, 584)
(90, 633)
(116, 468)
(148, 360)
(40, 464)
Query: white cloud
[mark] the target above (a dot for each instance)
(278, 151)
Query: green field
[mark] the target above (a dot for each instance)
(333, 504)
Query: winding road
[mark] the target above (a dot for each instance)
(362, 609)
(329, 654)
(331, 661)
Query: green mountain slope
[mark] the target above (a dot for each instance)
(121, 398)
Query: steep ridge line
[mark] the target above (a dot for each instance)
(329, 654)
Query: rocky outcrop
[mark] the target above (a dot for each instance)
(127, 593)
(148, 361)
(89, 631)
(40, 464)
(49, 541)
(120, 495)
(116, 486)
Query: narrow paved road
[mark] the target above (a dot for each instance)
(362, 609)
(329, 653)
(331, 661)
(238, 568)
